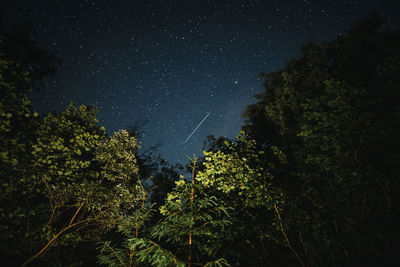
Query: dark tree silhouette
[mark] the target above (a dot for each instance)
(334, 113)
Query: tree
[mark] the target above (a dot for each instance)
(63, 181)
(187, 234)
(18, 126)
(235, 175)
(63, 184)
(101, 199)
(227, 213)
(333, 114)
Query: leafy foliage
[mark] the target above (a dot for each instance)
(59, 175)
(310, 181)
(334, 117)
(192, 224)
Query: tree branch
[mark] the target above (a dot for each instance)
(286, 238)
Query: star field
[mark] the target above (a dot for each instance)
(166, 64)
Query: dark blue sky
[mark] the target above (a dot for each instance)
(169, 63)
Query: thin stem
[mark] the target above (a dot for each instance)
(52, 240)
(286, 238)
(388, 201)
(192, 219)
(131, 258)
(116, 254)
(76, 213)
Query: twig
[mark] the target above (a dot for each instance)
(115, 253)
(286, 238)
(388, 201)
(76, 213)
(51, 242)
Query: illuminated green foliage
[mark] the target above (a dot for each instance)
(60, 175)
(311, 181)
(192, 223)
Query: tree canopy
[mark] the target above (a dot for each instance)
(334, 115)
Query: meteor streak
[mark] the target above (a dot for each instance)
(190, 135)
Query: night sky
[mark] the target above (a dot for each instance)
(169, 63)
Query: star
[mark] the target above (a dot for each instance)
(158, 61)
